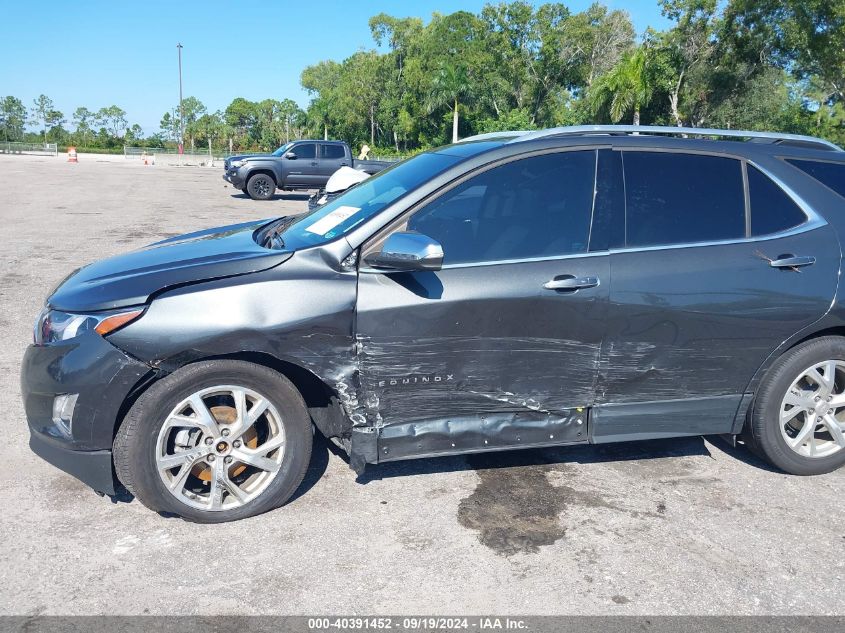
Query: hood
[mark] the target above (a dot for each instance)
(131, 278)
(229, 160)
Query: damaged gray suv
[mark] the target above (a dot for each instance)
(567, 286)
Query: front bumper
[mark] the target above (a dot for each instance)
(232, 177)
(93, 468)
(103, 377)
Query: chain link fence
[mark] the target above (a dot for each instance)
(42, 149)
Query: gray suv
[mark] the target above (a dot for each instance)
(568, 286)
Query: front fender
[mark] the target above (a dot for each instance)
(300, 312)
(267, 167)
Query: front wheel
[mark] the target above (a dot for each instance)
(798, 418)
(215, 441)
(260, 187)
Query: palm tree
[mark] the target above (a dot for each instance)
(627, 88)
(449, 86)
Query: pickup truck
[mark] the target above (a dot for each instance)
(301, 164)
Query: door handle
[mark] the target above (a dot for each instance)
(793, 262)
(344, 164)
(570, 282)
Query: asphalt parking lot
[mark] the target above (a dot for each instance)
(689, 526)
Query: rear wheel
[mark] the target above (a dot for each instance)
(260, 187)
(798, 419)
(215, 441)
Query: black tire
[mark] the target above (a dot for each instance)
(763, 434)
(135, 444)
(260, 187)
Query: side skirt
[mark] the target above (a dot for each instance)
(485, 432)
(618, 422)
(623, 422)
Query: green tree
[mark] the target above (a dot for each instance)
(83, 119)
(45, 115)
(241, 116)
(402, 36)
(321, 81)
(134, 134)
(626, 89)
(192, 110)
(113, 119)
(806, 36)
(686, 48)
(171, 128)
(449, 86)
(12, 118)
(210, 128)
(292, 119)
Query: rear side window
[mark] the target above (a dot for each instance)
(674, 198)
(772, 210)
(308, 150)
(830, 174)
(333, 151)
(532, 207)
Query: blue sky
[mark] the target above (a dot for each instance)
(124, 53)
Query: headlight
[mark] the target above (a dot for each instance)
(236, 163)
(53, 326)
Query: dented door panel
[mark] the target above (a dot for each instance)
(695, 323)
(465, 350)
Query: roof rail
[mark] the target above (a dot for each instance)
(493, 135)
(590, 130)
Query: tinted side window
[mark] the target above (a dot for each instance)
(533, 207)
(308, 150)
(830, 174)
(772, 210)
(674, 198)
(332, 151)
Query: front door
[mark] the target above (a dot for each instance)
(303, 171)
(696, 305)
(500, 347)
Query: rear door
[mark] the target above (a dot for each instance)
(501, 346)
(303, 171)
(332, 157)
(696, 305)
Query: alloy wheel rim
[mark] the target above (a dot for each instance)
(220, 448)
(262, 186)
(812, 413)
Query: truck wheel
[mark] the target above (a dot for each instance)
(215, 441)
(798, 417)
(260, 187)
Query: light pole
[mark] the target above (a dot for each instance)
(181, 111)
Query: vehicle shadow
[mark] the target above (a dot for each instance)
(293, 195)
(579, 454)
(316, 468)
(287, 195)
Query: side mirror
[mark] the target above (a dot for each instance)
(290, 156)
(406, 252)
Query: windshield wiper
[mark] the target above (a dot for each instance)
(273, 234)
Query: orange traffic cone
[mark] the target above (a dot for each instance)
(71, 155)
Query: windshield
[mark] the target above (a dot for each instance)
(282, 150)
(364, 200)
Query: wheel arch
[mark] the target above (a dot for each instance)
(320, 398)
(262, 170)
(748, 400)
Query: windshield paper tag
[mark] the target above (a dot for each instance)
(328, 222)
